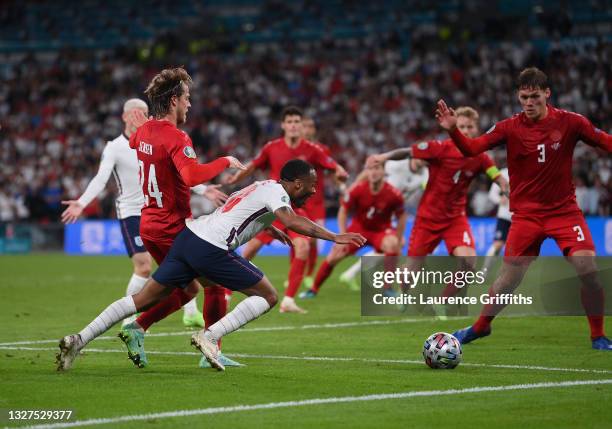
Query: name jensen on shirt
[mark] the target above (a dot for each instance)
(145, 148)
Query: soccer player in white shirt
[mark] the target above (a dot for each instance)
(504, 219)
(207, 248)
(121, 161)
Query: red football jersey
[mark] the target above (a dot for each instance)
(540, 157)
(373, 211)
(315, 205)
(163, 150)
(276, 153)
(450, 175)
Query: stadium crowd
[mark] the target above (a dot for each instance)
(59, 110)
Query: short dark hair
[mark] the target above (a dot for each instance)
(532, 78)
(165, 85)
(291, 111)
(295, 169)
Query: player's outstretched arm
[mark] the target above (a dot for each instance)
(212, 193)
(195, 174)
(393, 155)
(468, 147)
(342, 218)
(96, 185)
(307, 227)
(241, 174)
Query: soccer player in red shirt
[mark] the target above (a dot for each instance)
(540, 144)
(441, 213)
(315, 205)
(273, 156)
(373, 203)
(168, 168)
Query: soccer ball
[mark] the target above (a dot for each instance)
(442, 351)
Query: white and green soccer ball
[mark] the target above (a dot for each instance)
(442, 351)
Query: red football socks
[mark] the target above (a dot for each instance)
(163, 309)
(324, 271)
(593, 303)
(296, 275)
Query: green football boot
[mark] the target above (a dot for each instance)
(195, 320)
(223, 359)
(133, 338)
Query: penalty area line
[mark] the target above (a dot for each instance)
(329, 359)
(318, 401)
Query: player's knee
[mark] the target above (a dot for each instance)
(142, 264)
(301, 247)
(390, 244)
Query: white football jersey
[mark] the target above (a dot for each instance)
(246, 213)
(120, 160)
(401, 176)
(503, 211)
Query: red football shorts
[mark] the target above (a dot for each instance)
(426, 235)
(568, 229)
(374, 237)
(158, 248)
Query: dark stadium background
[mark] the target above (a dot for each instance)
(369, 74)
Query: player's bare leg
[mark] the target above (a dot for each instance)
(509, 278)
(592, 296)
(493, 251)
(301, 249)
(70, 345)
(260, 298)
(336, 254)
(142, 271)
(251, 249)
(466, 261)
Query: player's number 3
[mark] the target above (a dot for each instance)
(152, 188)
(542, 156)
(578, 231)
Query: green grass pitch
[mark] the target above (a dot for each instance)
(332, 356)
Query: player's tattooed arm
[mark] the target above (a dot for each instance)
(307, 227)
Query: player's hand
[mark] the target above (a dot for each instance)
(280, 236)
(135, 118)
(234, 163)
(374, 160)
(350, 238)
(217, 197)
(446, 116)
(72, 212)
(341, 174)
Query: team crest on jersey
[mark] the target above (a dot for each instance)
(555, 136)
(189, 152)
(423, 145)
(285, 199)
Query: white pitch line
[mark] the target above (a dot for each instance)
(261, 329)
(328, 359)
(318, 401)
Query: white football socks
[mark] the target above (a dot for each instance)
(135, 284)
(191, 307)
(249, 309)
(114, 313)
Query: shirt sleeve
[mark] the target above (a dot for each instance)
(262, 160)
(98, 183)
(495, 136)
(275, 198)
(349, 199)
(323, 160)
(427, 150)
(591, 135)
(488, 166)
(181, 151)
(494, 196)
